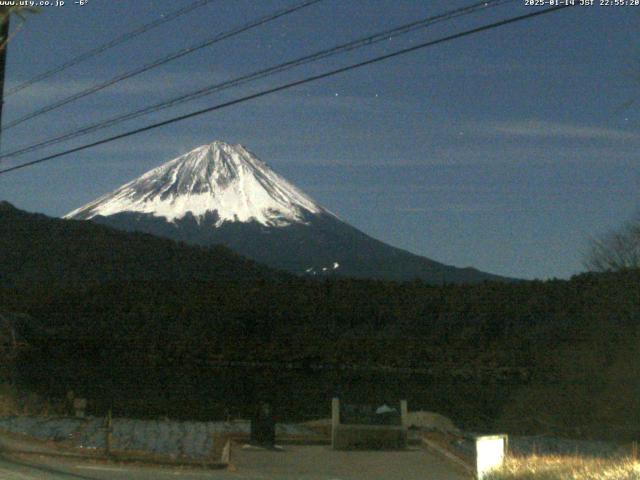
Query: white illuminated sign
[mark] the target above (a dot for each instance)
(490, 452)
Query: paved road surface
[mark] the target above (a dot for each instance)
(299, 463)
(46, 468)
(323, 463)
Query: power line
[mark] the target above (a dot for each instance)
(161, 61)
(322, 54)
(125, 37)
(291, 85)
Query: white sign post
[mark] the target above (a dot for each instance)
(490, 453)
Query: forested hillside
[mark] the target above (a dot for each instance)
(145, 325)
(38, 250)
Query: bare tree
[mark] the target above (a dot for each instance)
(616, 250)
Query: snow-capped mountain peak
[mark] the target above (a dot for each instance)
(219, 177)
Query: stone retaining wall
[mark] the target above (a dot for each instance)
(191, 440)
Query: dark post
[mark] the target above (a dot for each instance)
(263, 423)
(108, 431)
(4, 36)
(263, 426)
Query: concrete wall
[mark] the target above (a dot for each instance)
(175, 439)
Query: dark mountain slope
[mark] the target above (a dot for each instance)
(322, 246)
(38, 250)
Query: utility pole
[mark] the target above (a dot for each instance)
(4, 37)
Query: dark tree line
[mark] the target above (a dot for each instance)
(139, 324)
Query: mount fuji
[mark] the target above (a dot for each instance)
(223, 194)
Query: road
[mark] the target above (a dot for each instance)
(46, 468)
(299, 463)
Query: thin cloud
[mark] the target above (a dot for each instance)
(545, 129)
(158, 83)
(457, 208)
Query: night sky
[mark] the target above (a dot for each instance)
(506, 150)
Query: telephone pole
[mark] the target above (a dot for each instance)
(4, 37)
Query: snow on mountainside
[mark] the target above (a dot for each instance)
(219, 177)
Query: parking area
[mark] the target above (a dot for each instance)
(323, 463)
